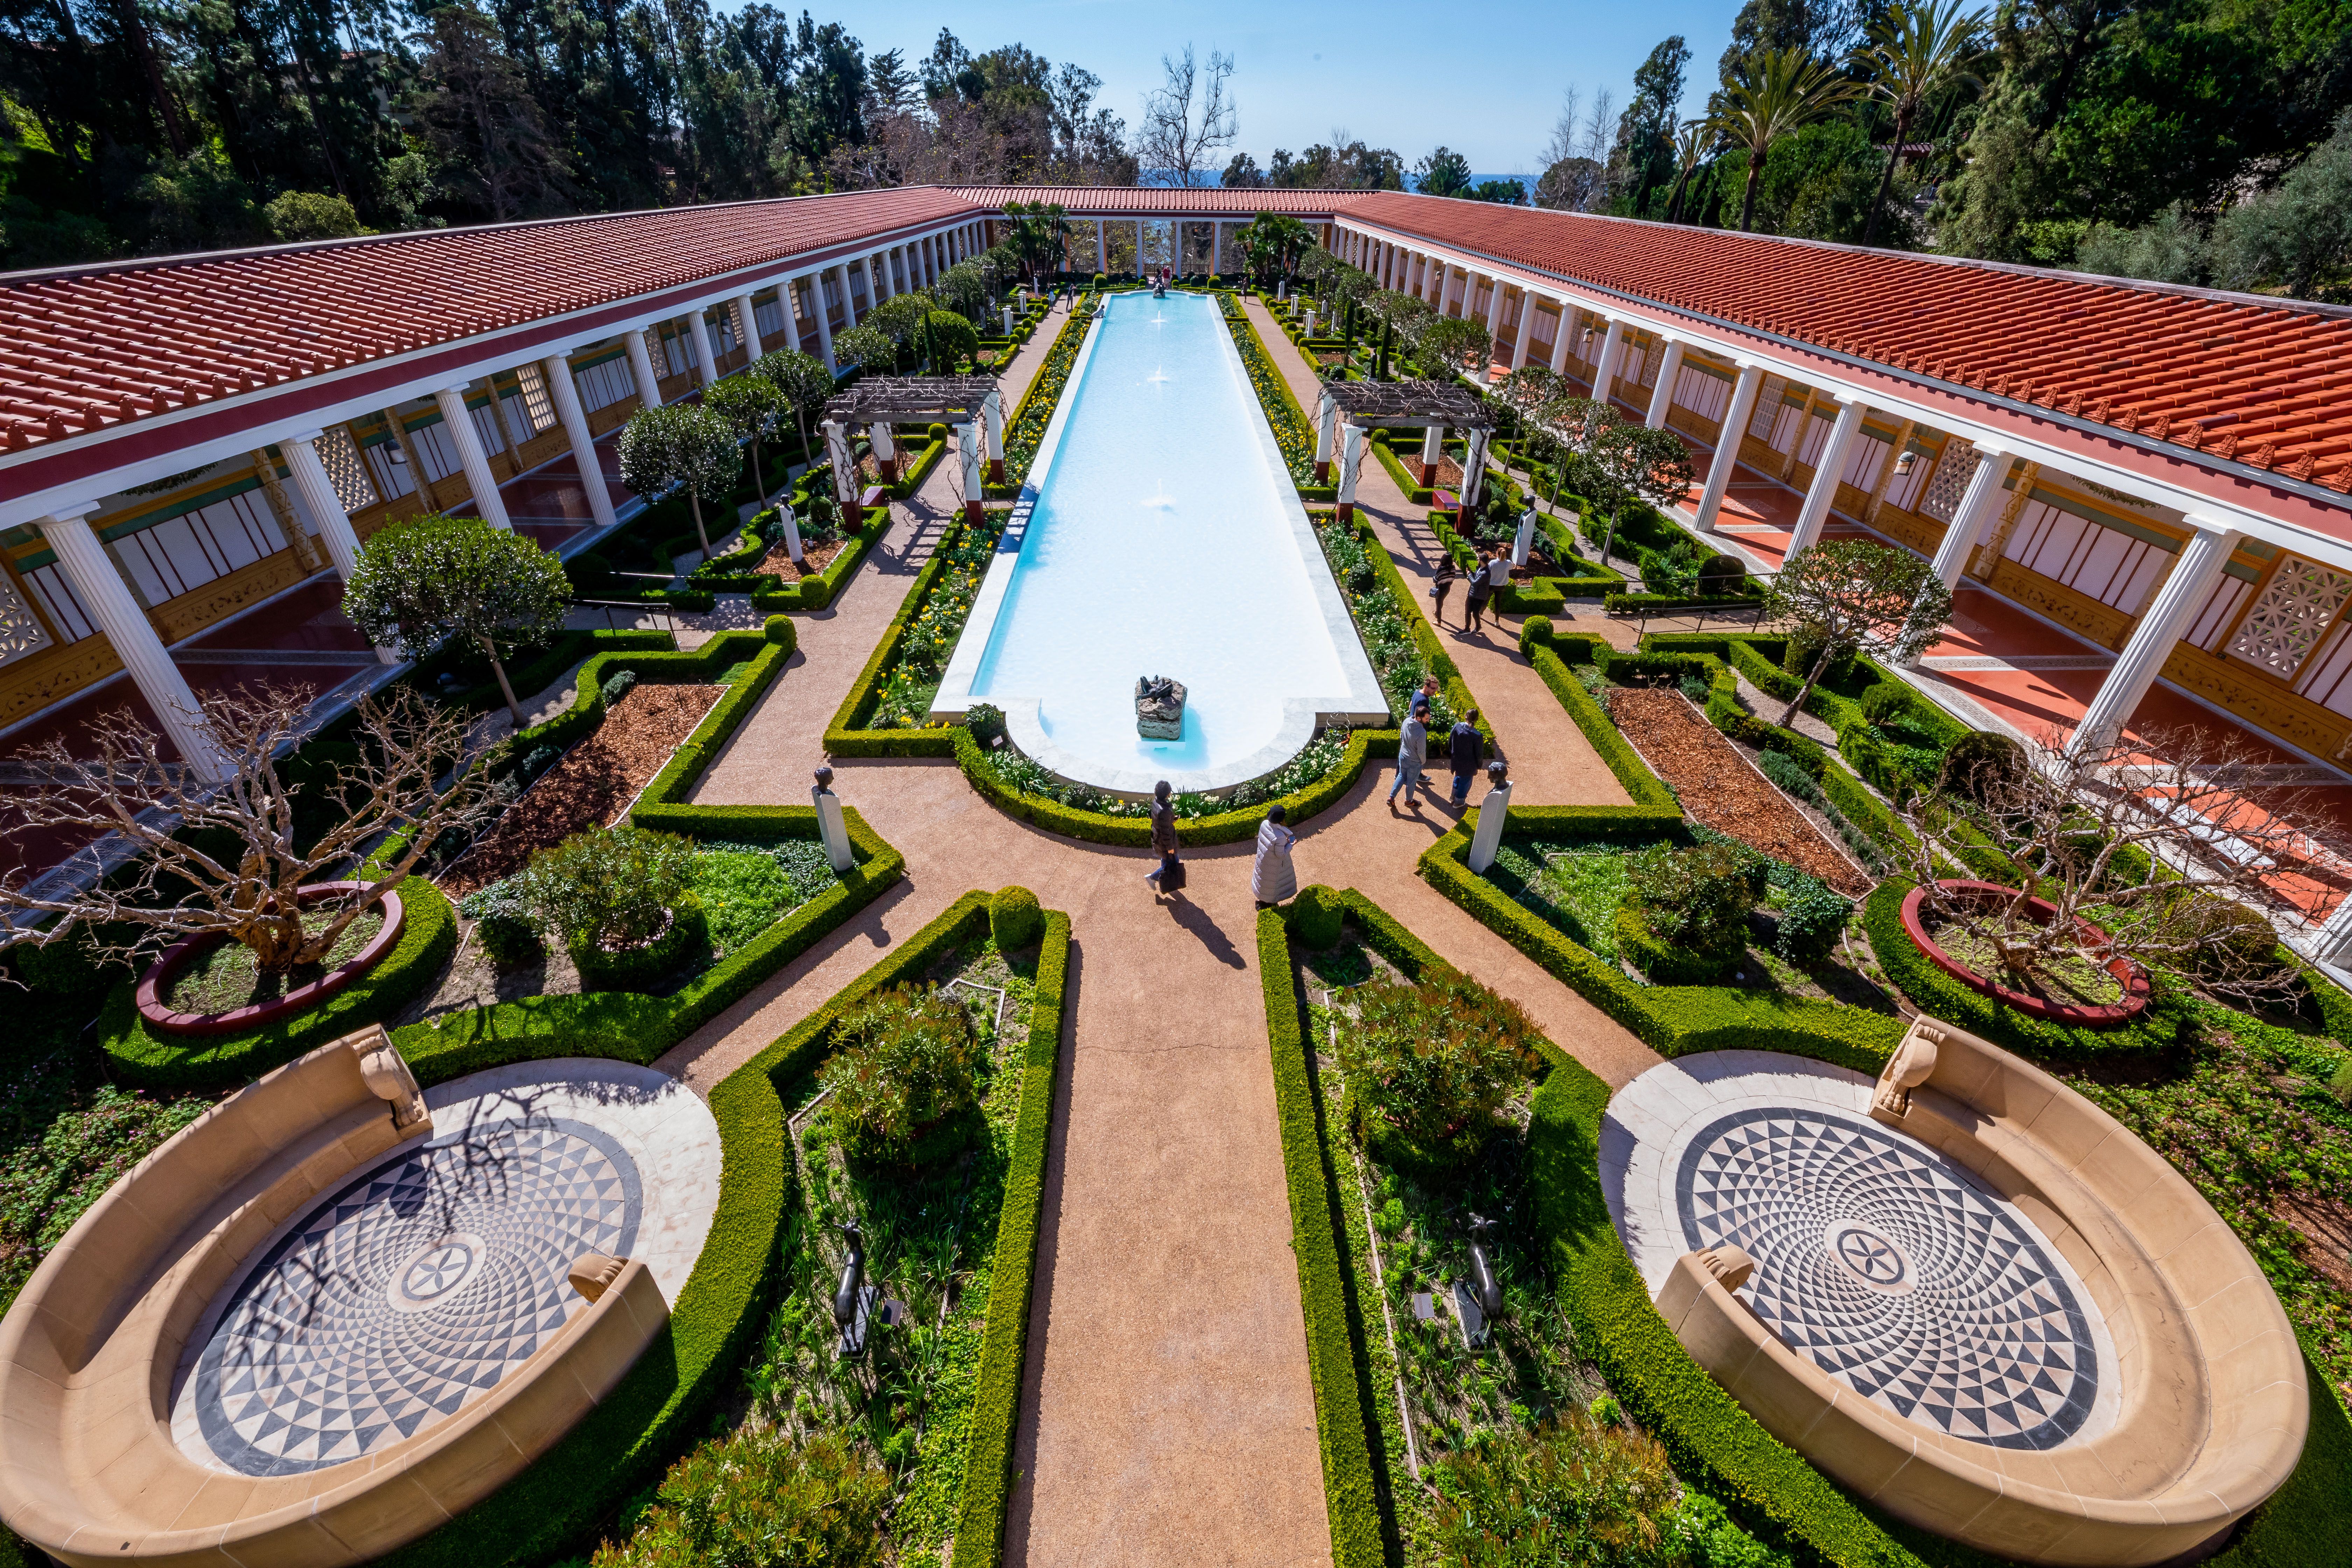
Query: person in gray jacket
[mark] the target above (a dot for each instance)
(1412, 751)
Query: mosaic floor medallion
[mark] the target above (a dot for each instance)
(414, 1289)
(1896, 1273)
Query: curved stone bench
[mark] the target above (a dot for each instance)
(89, 1471)
(2214, 1402)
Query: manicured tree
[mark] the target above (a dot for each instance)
(804, 381)
(1849, 596)
(952, 341)
(900, 319)
(964, 289)
(682, 445)
(867, 345)
(1456, 342)
(1774, 93)
(413, 773)
(753, 407)
(424, 582)
(1916, 52)
(1523, 395)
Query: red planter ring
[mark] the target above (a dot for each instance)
(2130, 975)
(180, 954)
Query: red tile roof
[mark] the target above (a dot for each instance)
(88, 347)
(1165, 201)
(2234, 377)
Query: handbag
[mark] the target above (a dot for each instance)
(1171, 874)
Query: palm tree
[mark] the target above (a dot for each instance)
(1694, 145)
(1916, 52)
(1775, 92)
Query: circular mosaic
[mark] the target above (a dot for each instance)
(1895, 1272)
(414, 1289)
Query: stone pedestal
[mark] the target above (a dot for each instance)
(1159, 707)
(830, 830)
(1493, 812)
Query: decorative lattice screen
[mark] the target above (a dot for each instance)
(1953, 472)
(350, 477)
(535, 400)
(1768, 407)
(2294, 613)
(21, 632)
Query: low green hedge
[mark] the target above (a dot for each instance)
(807, 593)
(846, 737)
(1342, 1399)
(1424, 636)
(988, 1472)
(428, 935)
(1135, 832)
(1026, 429)
(660, 1407)
(534, 674)
(1294, 431)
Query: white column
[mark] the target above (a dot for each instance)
(968, 451)
(1663, 399)
(845, 474)
(1977, 504)
(886, 451)
(1102, 246)
(2176, 603)
(992, 415)
(1823, 493)
(824, 322)
(556, 371)
(1432, 447)
(488, 504)
(880, 284)
(641, 366)
(1524, 338)
(1352, 463)
(747, 327)
(1474, 472)
(1726, 445)
(108, 598)
(786, 298)
(318, 498)
(706, 364)
(1216, 248)
(848, 301)
(1604, 370)
(1494, 325)
(1139, 247)
(1567, 329)
(1327, 426)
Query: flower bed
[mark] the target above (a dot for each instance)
(2128, 977)
(1027, 428)
(934, 608)
(157, 987)
(1294, 432)
(1397, 638)
(592, 785)
(1717, 786)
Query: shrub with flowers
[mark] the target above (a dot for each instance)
(913, 677)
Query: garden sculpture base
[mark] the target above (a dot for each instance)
(1159, 707)
(333, 1313)
(1965, 1293)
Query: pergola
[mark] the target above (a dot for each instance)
(1432, 407)
(972, 403)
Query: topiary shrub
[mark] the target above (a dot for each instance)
(783, 632)
(1722, 574)
(1979, 763)
(936, 432)
(1535, 632)
(1810, 923)
(1888, 703)
(1314, 918)
(1430, 1063)
(902, 1076)
(1685, 918)
(618, 685)
(1014, 919)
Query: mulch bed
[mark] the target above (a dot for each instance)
(1720, 789)
(778, 562)
(592, 785)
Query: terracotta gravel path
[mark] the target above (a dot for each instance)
(1167, 1415)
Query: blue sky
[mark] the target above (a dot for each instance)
(1485, 80)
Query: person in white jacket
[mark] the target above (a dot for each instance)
(1272, 877)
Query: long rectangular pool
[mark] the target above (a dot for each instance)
(1159, 533)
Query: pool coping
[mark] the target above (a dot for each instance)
(1362, 704)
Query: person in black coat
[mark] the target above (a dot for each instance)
(1466, 749)
(1441, 584)
(1170, 875)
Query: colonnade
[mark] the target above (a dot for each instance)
(98, 582)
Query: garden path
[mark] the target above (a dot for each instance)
(1169, 1416)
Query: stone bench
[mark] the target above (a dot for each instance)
(89, 1354)
(2214, 1402)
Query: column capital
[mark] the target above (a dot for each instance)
(2213, 528)
(76, 513)
(312, 433)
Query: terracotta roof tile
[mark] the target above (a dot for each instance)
(82, 348)
(2269, 382)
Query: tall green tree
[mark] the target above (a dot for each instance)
(421, 583)
(1774, 93)
(1644, 153)
(1445, 172)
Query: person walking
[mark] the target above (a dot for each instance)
(1441, 584)
(1482, 587)
(1466, 749)
(1169, 878)
(1412, 751)
(1272, 877)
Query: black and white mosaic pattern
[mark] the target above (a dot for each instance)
(1895, 1272)
(414, 1289)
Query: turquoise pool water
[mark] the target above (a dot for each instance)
(1161, 535)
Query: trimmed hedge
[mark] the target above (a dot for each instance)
(659, 1405)
(988, 1472)
(807, 593)
(1135, 832)
(1025, 431)
(428, 935)
(845, 737)
(1294, 431)
(1424, 637)
(537, 674)
(1350, 1492)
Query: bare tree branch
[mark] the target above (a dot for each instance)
(1190, 117)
